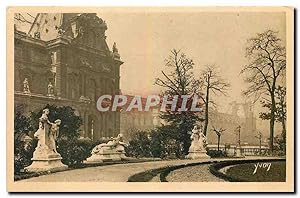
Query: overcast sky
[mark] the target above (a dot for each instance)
(145, 39)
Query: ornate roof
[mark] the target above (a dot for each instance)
(82, 29)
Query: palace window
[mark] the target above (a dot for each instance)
(92, 90)
(73, 84)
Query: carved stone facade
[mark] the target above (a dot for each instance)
(70, 51)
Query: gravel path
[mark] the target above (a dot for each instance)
(121, 172)
(110, 173)
(199, 173)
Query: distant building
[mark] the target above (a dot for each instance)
(133, 121)
(230, 121)
(64, 60)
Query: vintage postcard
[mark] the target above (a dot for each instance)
(164, 99)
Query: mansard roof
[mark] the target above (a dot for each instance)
(52, 25)
(81, 29)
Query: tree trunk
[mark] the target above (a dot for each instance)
(283, 133)
(206, 110)
(272, 122)
(219, 143)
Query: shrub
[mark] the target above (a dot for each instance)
(215, 153)
(171, 142)
(139, 145)
(154, 143)
(74, 151)
(23, 150)
(22, 155)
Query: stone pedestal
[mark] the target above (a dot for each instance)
(106, 155)
(45, 160)
(113, 150)
(197, 155)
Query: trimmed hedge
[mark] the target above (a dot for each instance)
(216, 154)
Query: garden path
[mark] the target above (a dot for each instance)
(116, 172)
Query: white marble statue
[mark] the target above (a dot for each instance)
(202, 139)
(114, 149)
(198, 140)
(115, 143)
(198, 144)
(45, 156)
(41, 133)
(53, 135)
(47, 132)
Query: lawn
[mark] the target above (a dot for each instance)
(246, 172)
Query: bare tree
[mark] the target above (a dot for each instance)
(267, 61)
(178, 79)
(219, 132)
(211, 81)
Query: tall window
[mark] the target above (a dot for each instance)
(73, 84)
(92, 90)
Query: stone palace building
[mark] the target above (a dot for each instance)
(64, 60)
(138, 121)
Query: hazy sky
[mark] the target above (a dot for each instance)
(145, 39)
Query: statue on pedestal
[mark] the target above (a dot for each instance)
(45, 156)
(197, 149)
(43, 126)
(114, 48)
(115, 51)
(26, 86)
(112, 150)
(50, 89)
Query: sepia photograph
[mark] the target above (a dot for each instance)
(150, 99)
